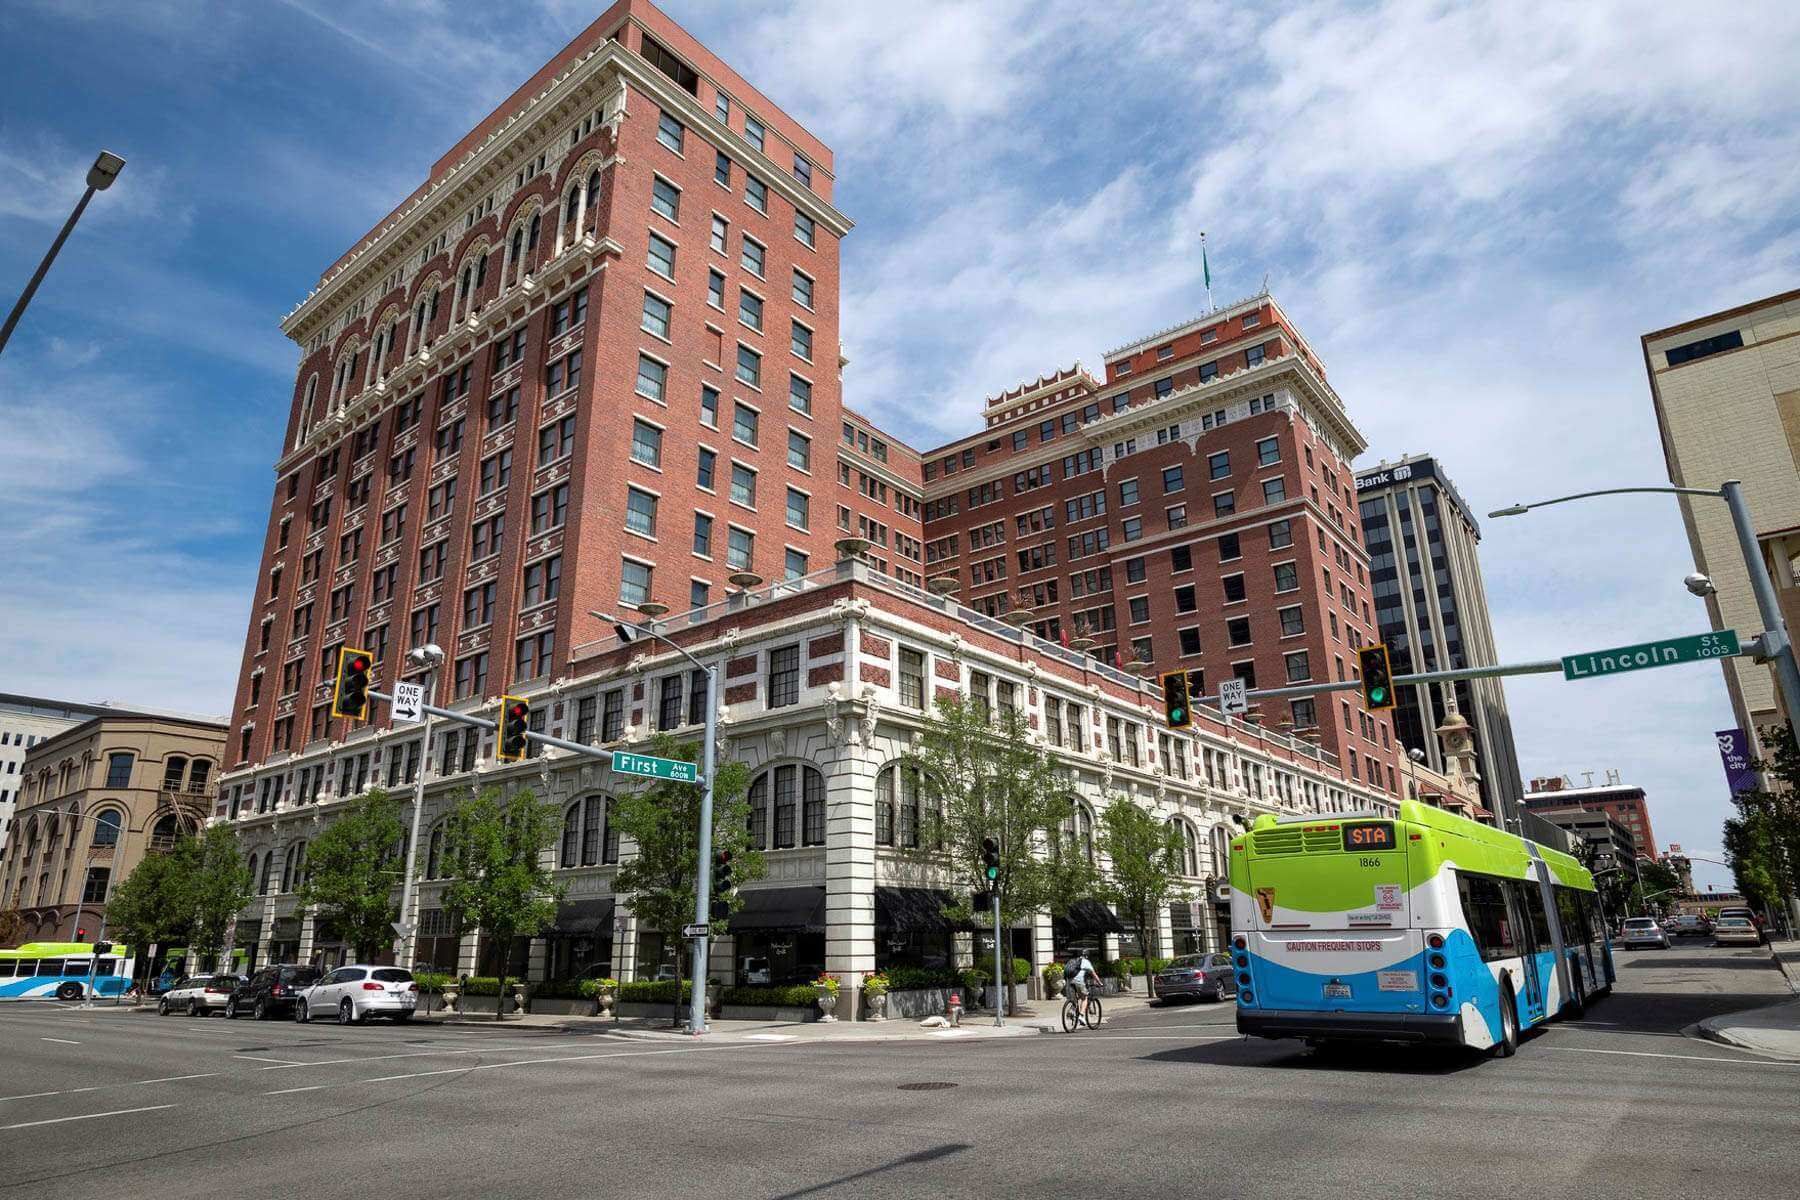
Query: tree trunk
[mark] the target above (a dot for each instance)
(505, 963)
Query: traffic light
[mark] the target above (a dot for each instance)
(1176, 711)
(350, 692)
(990, 860)
(1377, 677)
(722, 886)
(80, 934)
(103, 948)
(515, 721)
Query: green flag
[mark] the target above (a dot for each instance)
(1205, 270)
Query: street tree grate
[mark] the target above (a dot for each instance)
(925, 1087)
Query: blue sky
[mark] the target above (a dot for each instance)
(1473, 213)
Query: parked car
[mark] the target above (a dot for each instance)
(1643, 931)
(1749, 915)
(360, 991)
(271, 991)
(1197, 977)
(1736, 931)
(196, 995)
(1690, 923)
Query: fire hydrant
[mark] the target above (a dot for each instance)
(954, 1010)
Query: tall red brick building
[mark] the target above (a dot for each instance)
(592, 360)
(1194, 509)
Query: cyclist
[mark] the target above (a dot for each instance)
(1079, 976)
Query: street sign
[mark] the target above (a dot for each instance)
(694, 931)
(652, 767)
(1234, 696)
(1721, 643)
(402, 929)
(408, 705)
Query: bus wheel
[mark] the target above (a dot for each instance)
(1508, 1045)
(68, 991)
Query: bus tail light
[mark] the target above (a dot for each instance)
(1241, 942)
(1439, 1000)
(1436, 961)
(1435, 941)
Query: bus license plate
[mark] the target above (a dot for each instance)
(1337, 991)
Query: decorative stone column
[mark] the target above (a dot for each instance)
(307, 929)
(537, 961)
(625, 931)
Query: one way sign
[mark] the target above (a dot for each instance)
(409, 704)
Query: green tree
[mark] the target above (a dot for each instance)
(12, 927)
(663, 819)
(351, 869)
(983, 777)
(1146, 857)
(220, 881)
(498, 874)
(1661, 885)
(1762, 843)
(155, 903)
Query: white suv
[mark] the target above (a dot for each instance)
(357, 992)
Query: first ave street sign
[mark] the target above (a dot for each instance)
(1721, 643)
(652, 767)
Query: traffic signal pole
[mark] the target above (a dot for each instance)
(703, 885)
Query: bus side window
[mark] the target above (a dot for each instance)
(1568, 911)
(49, 966)
(1484, 908)
(1533, 896)
(106, 966)
(27, 967)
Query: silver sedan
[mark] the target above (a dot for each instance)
(1197, 977)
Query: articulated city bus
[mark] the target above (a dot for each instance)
(1428, 927)
(63, 970)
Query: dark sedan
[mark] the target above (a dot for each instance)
(1197, 977)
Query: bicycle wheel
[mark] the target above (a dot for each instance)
(1069, 1016)
(1094, 1012)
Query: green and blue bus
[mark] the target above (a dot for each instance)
(1421, 927)
(63, 970)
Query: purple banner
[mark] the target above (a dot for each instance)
(1734, 752)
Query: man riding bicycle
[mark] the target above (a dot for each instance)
(1079, 977)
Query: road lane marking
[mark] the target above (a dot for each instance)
(286, 1062)
(103, 1086)
(122, 1112)
(290, 1091)
(64, 1041)
(530, 1062)
(1713, 1058)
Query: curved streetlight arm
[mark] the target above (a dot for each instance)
(1520, 509)
(647, 631)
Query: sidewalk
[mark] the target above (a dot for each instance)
(1774, 1030)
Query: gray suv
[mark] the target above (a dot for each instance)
(1197, 977)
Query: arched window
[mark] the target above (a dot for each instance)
(268, 874)
(1221, 850)
(174, 768)
(106, 827)
(1078, 829)
(1185, 855)
(118, 770)
(253, 867)
(593, 188)
(434, 854)
(571, 835)
(164, 832)
(537, 225)
(789, 800)
(759, 813)
(292, 865)
(573, 204)
(900, 816)
(199, 774)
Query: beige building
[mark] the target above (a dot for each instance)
(93, 801)
(1727, 394)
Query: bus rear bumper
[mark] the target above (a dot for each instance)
(1436, 1028)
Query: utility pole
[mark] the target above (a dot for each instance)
(100, 176)
(429, 656)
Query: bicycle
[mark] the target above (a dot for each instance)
(1072, 1018)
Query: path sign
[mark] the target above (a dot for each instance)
(408, 705)
(1721, 643)
(694, 931)
(1234, 696)
(652, 767)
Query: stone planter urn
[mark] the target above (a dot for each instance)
(606, 999)
(875, 1004)
(518, 998)
(827, 1004)
(452, 995)
(712, 997)
(1054, 988)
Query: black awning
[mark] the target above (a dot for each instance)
(1091, 916)
(583, 917)
(788, 909)
(914, 910)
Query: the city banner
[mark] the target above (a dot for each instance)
(1734, 752)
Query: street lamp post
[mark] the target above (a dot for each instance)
(703, 880)
(429, 656)
(100, 176)
(1776, 645)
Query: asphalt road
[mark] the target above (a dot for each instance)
(1162, 1101)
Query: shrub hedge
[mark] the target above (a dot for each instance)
(766, 995)
(654, 991)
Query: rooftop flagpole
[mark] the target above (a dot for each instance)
(1206, 272)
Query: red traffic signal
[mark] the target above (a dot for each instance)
(350, 691)
(515, 722)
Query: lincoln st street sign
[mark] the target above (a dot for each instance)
(1722, 643)
(652, 767)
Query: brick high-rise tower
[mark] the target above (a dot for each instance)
(1195, 509)
(591, 361)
